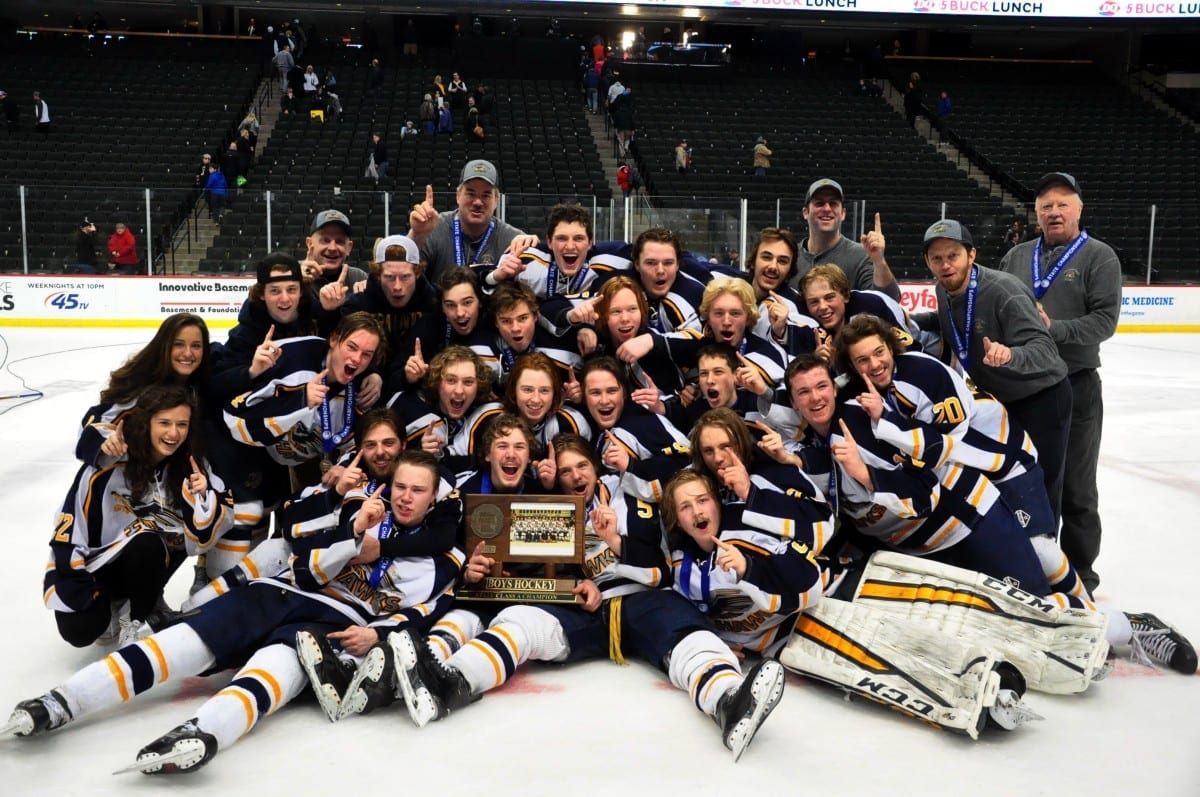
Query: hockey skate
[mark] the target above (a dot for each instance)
(41, 714)
(1155, 642)
(373, 684)
(328, 674)
(430, 688)
(119, 620)
(184, 749)
(740, 713)
(1008, 711)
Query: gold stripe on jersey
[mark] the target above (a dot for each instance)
(701, 700)
(251, 570)
(243, 435)
(977, 494)
(267, 680)
(933, 542)
(497, 669)
(151, 644)
(234, 547)
(247, 704)
(839, 643)
(314, 563)
(114, 668)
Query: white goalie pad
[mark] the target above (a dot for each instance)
(1058, 650)
(929, 676)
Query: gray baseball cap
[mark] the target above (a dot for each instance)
(949, 229)
(1057, 178)
(330, 217)
(480, 170)
(824, 182)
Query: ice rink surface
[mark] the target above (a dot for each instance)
(600, 729)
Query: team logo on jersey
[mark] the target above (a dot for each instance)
(1023, 518)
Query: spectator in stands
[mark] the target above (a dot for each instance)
(439, 91)
(231, 167)
(914, 99)
(375, 76)
(409, 38)
(311, 81)
(865, 264)
(333, 103)
(615, 88)
(470, 234)
(591, 84)
(485, 101)
(330, 81)
(445, 120)
(944, 106)
(284, 63)
(202, 172)
(122, 250)
(41, 114)
(250, 122)
(252, 29)
(1077, 282)
(621, 110)
(683, 157)
(762, 157)
(287, 103)
(380, 153)
(427, 115)
(628, 179)
(216, 187)
(409, 129)
(86, 258)
(989, 319)
(1014, 235)
(473, 124)
(245, 148)
(457, 93)
(12, 110)
(869, 88)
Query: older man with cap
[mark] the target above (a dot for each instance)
(1077, 282)
(991, 323)
(329, 244)
(865, 265)
(470, 234)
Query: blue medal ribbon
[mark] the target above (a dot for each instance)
(962, 341)
(329, 440)
(1042, 284)
(685, 578)
(574, 284)
(381, 565)
(460, 248)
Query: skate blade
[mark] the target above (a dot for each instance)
(149, 765)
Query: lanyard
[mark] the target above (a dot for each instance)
(962, 341)
(685, 580)
(460, 251)
(574, 284)
(1042, 284)
(329, 440)
(381, 566)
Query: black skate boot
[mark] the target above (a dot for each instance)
(741, 712)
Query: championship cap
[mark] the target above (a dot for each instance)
(949, 229)
(279, 261)
(480, 170)
(412, 253)
(330, 217)
(1057, 178)
(824, 182)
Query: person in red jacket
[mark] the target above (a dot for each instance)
(122, 250)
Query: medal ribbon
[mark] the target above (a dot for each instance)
(329, 440)
(460, 249)
(962, 341)
(1042, 284)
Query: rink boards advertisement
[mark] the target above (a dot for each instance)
(104, 301)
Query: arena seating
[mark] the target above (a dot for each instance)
(1029, 119)
(537, 137)
(123, 119)
(816, 126)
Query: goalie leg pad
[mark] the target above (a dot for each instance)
(1059, 650)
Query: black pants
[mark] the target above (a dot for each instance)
(1046, 416)
(137, 574)
(1080, 536)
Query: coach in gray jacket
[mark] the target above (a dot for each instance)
(1077, 282)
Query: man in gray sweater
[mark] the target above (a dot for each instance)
(1077, 282)
(990, 321)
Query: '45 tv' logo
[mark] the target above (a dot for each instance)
(65, 301)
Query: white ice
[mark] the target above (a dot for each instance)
(597, 728)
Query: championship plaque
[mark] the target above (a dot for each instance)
(527, 531)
